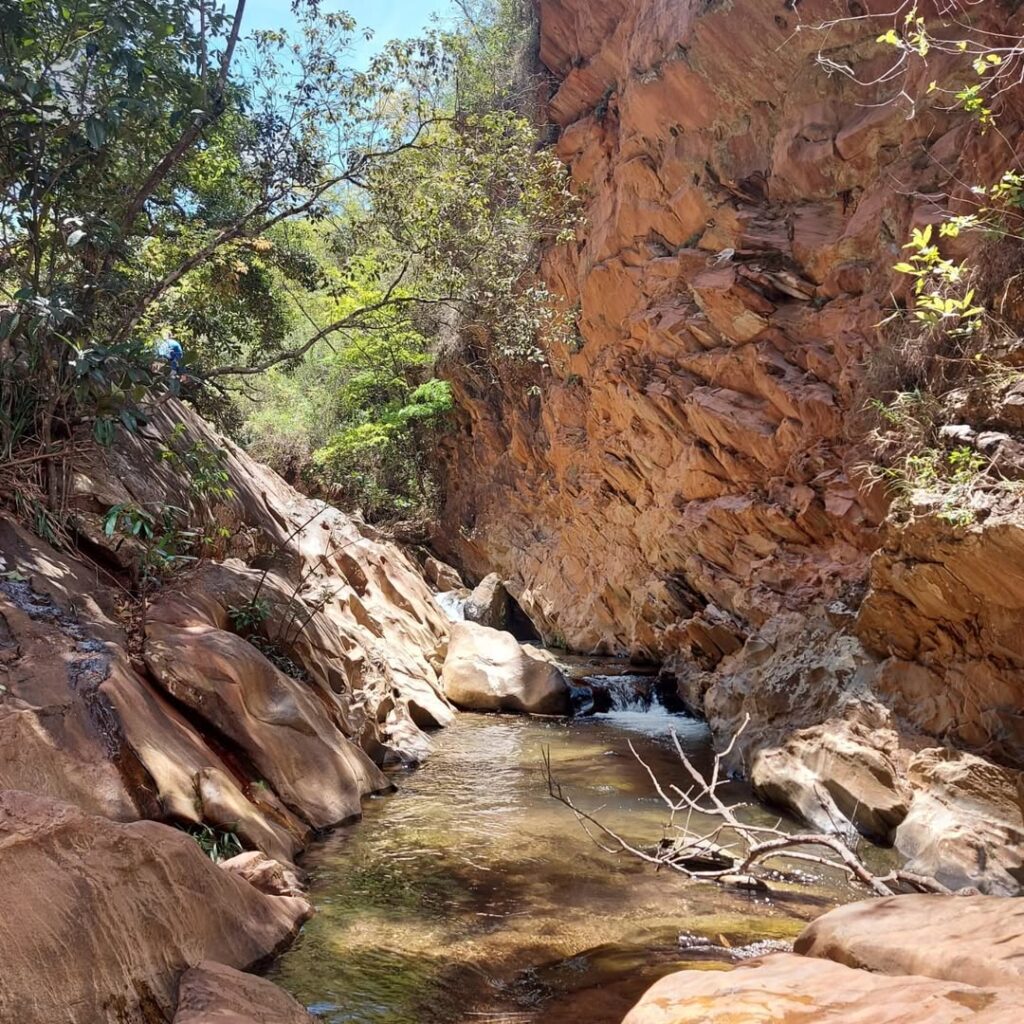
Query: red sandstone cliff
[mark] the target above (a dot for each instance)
(688, 486)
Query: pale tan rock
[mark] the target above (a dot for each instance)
(212, 993)
(966, 822)
(784, 988)
(489, 670)
(357, 622)
(268, 875)
(971, 940)
(832, 775)
(105, 916)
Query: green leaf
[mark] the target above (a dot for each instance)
(75, 237)
(110, 523)
(103, 431)
(95, 132)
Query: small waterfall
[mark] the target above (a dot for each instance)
(605, 695)
(453, 604)
(622, 693)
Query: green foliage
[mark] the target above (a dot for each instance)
(264, 211)
(249, 617)
(94, 95)
(942, 299)
(448, 233)
(938, 346)
(202, 467)
(161, 532)
(945, 480)
(217, 844)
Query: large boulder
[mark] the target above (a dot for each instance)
(832, 775)
(277, 721)
(488, 670)
(212, 993)
(973, 940)
(100, 918)
(784, 989)
(488, 604)
(966, 822)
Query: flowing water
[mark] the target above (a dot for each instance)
(471, 895)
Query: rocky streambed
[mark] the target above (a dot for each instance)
(471, 895)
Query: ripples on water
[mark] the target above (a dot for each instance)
(471, 895)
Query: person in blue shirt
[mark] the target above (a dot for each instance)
(170, 351)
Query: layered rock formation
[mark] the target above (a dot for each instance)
(255, 690)
(688, 486)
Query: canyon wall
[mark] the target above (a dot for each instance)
(257, 692)
(685, 482)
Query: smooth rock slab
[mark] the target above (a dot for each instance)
(789, 989)
(99, 918)
(212, 993)
(488, 670)
(976, 940)
(277, 721)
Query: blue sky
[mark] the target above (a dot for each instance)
(390, 19)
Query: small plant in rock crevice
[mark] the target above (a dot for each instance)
(217, 844)
(248, 617)
(947, 354)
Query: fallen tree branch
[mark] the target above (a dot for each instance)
(728, 845)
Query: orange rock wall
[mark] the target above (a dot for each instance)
(687, 471)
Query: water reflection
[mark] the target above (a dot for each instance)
(470, 895)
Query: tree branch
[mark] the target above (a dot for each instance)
(708, 856)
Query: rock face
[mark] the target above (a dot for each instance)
(687, 486)
(965, 826)
(742, 223)
(785, 988)
(212, 993)
(257, 693)
(975, 940)
(488, 670)
(945, 612)
(191, 722)
(101, 917)
(900, 960)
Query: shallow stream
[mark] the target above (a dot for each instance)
(471, 895)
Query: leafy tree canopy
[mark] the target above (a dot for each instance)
(161, 169)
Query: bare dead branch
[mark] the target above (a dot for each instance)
(730, 846)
